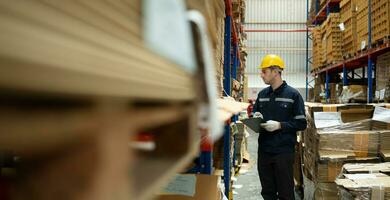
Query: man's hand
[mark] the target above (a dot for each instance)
(257, 115)
(271, 125)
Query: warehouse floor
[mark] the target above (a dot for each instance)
(249, 181)
(247, 186)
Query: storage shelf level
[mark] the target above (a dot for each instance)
(355, 62)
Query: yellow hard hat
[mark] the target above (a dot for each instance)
(271, 60)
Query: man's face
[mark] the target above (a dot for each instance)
(268, 75)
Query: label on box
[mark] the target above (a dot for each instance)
(167, 31)
(181, 185)
(363, 45)
(327, 119)
(381, 114)
(382, 94)
(342, 27)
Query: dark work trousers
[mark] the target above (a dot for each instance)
(276, 176)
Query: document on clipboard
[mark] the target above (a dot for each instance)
(253, 123)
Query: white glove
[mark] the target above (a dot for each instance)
(257, 115)
(271, 125)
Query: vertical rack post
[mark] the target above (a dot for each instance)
(317, 6)
(369, 78)
(234, 76)
(345, 80)
(307, 50)
(235, 61)
(369, 64)
(227, 88)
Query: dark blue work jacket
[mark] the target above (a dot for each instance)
(286, 106)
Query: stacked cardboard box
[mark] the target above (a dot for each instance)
(246, 88)
(380, 19)
(364, 181)
(239, 19)
(349, 34)
(241, 143)
(317, 48)
(319, 88)
(327, 149)
(359, 89)
(219, 54)
(335, 91)
(311, 95)
(332, 38)
(218, 152)
(362, 21)
(348, 112)
(298, 176)
(323, 53)
(380, 22)
(384, 146)
(214, 12)
(184, 188)
(383, 75)
(236, 87)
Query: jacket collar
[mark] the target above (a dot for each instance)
(279, 89)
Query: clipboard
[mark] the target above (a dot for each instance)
(254, 123)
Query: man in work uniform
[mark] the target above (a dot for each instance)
(282, 108)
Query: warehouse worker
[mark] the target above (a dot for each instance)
(282, 108)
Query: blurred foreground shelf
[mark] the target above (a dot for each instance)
(84, 48)
(77, 86)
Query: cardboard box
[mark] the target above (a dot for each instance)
(364, 181)
(327, 149)
(206, 188)
(349, 112)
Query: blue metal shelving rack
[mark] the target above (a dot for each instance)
(308, 58)
(348, 65)
(227, 87)
(231, 65)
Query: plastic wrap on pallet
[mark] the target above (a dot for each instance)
(328, 148)
(382, 77)
(353, 92)
(365, 181)
(354, 139)
(319, 191)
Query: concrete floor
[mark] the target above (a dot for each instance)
(250, 182)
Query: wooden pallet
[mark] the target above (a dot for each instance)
(349, 55)
(381, 41)
(362, 51)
